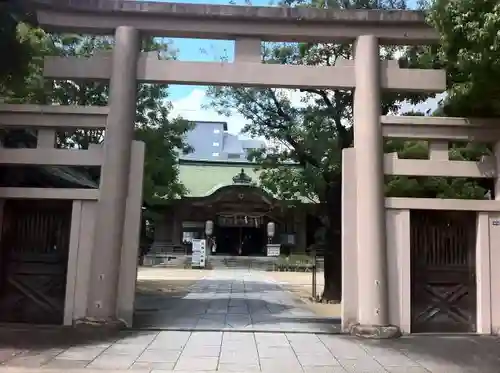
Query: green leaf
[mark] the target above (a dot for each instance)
(164, 138)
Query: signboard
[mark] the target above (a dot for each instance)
(273, 249)
(239, 220)
(199, 255)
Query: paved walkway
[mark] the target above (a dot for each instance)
(290, 339)
(231, 300)
(175, 352)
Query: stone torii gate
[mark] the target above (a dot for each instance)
(248, 26)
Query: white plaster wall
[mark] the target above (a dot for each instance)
(69, 303)
(131, 235)
(79, 262)
(483, 274)
(494, 246)
(398, 267)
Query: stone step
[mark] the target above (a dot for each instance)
(217, 262)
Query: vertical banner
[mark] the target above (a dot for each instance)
(199, 254)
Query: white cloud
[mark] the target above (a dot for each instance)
(192, 108)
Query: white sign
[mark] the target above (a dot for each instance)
(199, 254)
(273, 249)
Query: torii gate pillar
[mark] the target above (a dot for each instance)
(368, 141)
(114, 174)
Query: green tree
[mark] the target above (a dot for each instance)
(469, 50)
(435, 187)
(311, 134)
(164, 137)
(16, 51)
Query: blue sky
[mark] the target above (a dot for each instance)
(207, 50)
(189, 101)
(202, 49)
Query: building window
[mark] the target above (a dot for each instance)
(215, 144)
(216, 130)
(215, 154)
(234, 156)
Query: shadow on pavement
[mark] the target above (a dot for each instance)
(33, 338)
(222, 304)
(468, 353)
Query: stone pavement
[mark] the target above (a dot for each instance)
(231, 300)
(236, 321)
(67, 351)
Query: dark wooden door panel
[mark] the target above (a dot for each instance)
(34, 256)
(443, 278)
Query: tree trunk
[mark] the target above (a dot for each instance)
(333, 246)
(333, 275)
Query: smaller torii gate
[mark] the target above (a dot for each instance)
(441, 276)
(85, 203)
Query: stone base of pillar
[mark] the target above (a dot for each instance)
(375, 331)
(108, 323)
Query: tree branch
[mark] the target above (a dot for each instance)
(301, 153)
(345, 139)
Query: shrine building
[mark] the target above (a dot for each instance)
(223, 189)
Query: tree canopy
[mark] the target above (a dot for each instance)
(164, 137)
(470, 52)
(19, 52)
(313, 130)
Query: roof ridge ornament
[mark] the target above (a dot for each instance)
(242, 178)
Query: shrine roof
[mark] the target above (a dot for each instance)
(202, 179)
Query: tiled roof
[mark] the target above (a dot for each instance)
(203, 179)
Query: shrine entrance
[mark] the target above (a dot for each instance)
(240, 213)
(240, 234)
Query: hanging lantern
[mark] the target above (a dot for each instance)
(271, 229)
(209, 227)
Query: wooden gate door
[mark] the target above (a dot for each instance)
(34, 260)
(443, 245)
